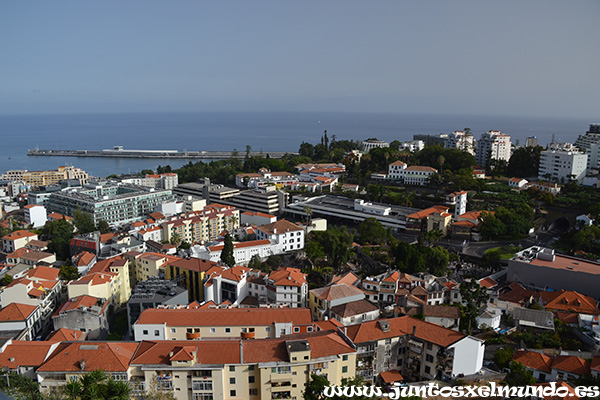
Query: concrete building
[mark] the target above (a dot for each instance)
(461, 141)
(35, 215)
(286, 286)
(562, 163)
(116, 204)
(417, 349)
(265, 177)
(517, 182)
(322, 300)
(493, 145)
(372, 143)
(157, 181)
(226, 285)
(43, 178)
(356, 211)
(189, 273)
(531, 141)
(538, 267)
(221, 323)
(84, 313)
(432, 139)
(153, 293)
(256, 218)
(412, 145)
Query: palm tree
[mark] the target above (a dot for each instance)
(441, 160)
(309, 212)
(73, 389)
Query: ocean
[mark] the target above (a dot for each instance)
(267, 131)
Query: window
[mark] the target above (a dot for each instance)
(232, 381)
(345, 358)
(429, 346)
(250, 379)
(344, 369)
(145, 332)
(232, 368)
(227, 330)
(268, 329)
(427, 370)
(232, 393)
(213, 330)
(296, 329)
(253, 392)
(429, 358)
(173, 330)
(251, 368)
(309, 329)
(156, 332)
(388, 341)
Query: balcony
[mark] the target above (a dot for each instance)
(192, 336)
(281, 395)
(281, 384)
(248, 335)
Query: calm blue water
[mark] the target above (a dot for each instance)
(282, 131)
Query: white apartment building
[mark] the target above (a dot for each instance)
(396, 169)
(35, 215)
(285, 233)
(417, 175)
(461, 141)
(369, 144)
(412, 145)
(562, 163)
(495, 145)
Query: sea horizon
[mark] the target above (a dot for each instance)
(225, 130)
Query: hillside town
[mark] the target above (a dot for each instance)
(443, 259)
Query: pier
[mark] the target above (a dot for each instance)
(120, 152)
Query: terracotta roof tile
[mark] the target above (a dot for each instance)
(107, 356)
(534, 360)
(16, 312)
(335, 291)
(25, 354)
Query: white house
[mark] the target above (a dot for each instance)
(283, 232)
(517, 182)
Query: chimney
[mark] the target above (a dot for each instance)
(82, 365)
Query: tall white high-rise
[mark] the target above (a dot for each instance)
(461, 141)
(493, 145)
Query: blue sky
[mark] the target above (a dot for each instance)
(536, 58)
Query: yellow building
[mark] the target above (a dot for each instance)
(107, 279)
(205, 225)
(147, 265)
(242, 369)
(221, 323)
(41, 178)
(190, 272)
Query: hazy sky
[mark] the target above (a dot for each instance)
(538, 58)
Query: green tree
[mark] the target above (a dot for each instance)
(68, 272)
(59, 233)
(227, 253)
(96, 385)
(503, 357)
(83, 222)
(6, 279)
(103, 226)
(524, 162)
(175, 239)
(519, 375)
(370, 230)
(474, 295)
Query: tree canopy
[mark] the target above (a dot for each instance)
(227, 253)
(59, 233)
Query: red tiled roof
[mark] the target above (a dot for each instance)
(207, 352)
(107, 356)
(391, 376)
(226, 317)
(487, 283)
(569, 301)
(572, 364)
(288, 276)
(250, 243)
(41, 272)
(420, 168)
(16, 312)
(281, 226)
(398, 163)
(427, 212)
(84, 258)
(335, 291)
(21, 353)
(370, 331)
(64, 334)
(79, 302)
(534, 360)
(193, 264)
(18, 235)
